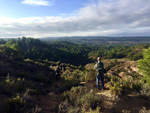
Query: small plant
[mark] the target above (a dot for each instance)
(115, 61)
(137, 86)
(75, 92)
(116, 88)
(90, 75)
(63, 106)
(90, 100)
(11, 85)
(126, 111)
(72, 78)
(17, 105)
(144, 110)
(28, 60)
(145, 91)
(97, 110)
(123, 87)
(79, 100)
(80, 67)
(59, 62)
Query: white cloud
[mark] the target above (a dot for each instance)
(39, 2)
(112, 18)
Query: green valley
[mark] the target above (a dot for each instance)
(28, 82)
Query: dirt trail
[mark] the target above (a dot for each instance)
(109, 100)
(115, 104)
(111, 103)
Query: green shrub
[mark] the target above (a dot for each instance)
(137, 86)
(89, 100)
(17, 105)
(59, 62)
(146, 79)
(67, 85)
(80, 67)
(144, 110)
(28, 60)
(115, 79)
(73, 77)
(123, 87)
(144, 66)
(78, 100)
(73, 109)
(97, 110)
(116, 88)
(126, 111)
(90, 75)
(11, 85)
(115, 61)
(69, 79)
(145, 91)
(75, 92)
(63, 106)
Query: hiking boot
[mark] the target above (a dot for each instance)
(103, 88)
(98, 88)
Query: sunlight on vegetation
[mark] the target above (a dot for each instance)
(28, 77)
(79, 99)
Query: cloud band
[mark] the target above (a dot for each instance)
(114, 18)
(39, 2)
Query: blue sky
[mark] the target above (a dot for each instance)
(53, 18)
(18, 8)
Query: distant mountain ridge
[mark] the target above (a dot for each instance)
(102, 40)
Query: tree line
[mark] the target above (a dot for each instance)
(69, 52)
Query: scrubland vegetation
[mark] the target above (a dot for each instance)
(28, 85)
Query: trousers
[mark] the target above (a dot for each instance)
(98, 77)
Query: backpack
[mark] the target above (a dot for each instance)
(100, 68)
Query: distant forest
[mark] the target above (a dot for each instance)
(72, 52)
(103, 40)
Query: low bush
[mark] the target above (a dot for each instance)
(116, 88)
(144, 110)
(145, 91)
(124, 87)
(74, 93)
(11, 85)
(18, 105)
(90, 75)
(28, 60)
(137, 86)
(71, 78)
(79, 100)
(126, 111)
(89, 100)
(97, 110)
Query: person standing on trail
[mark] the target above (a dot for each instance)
(99, 66)
(64, 67)
(61, 66)
(57, 73)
